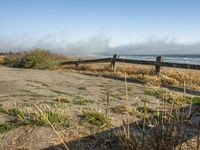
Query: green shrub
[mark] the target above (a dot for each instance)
(32, 59)
(37, 58)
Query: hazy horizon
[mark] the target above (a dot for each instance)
(91, 26)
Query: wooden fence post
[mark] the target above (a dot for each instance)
(159, 59)
(113, 63)
(78, 62)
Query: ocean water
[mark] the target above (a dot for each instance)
(183, 59)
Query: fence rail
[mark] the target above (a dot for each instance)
(158, 63)
(103, 60)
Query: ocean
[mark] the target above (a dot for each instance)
(184, 59)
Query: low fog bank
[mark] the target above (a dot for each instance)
(97, 45)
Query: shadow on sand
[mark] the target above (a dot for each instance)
(166, 137)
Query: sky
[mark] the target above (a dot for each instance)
(101, 26)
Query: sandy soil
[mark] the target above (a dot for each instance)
(23, 87)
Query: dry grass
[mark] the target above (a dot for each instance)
(43, 59)
(178, 76)
(2, 58)
(169, 76)
(49, 121)
(167, 129)
(119, 109)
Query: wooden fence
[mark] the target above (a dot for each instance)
(158, 63)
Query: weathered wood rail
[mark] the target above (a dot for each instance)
(103, 60)
(158, 63)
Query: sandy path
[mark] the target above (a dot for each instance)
(23, 87)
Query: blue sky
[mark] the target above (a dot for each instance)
(92, 26)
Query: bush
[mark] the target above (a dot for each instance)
(37, 58)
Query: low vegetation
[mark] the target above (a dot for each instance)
(172, 97)
(145, 73)
(81, 101)
(96, 118)
(195, 100)
(43, 59)
(62, 100)
(56, 117)
(37, 58)
(155, 92)
(17, 112)
(120, 109)
(161, 131)
(2, 58)
(7, 126)
(166, 127)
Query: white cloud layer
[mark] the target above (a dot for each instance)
(97, 44)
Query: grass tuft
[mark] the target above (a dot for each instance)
(96, 118)
(81, 101)
(16, 112)
(7, 126)
(119, 109)
(196, 100)
(62, 100)
(58, 119)
(155, 92)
